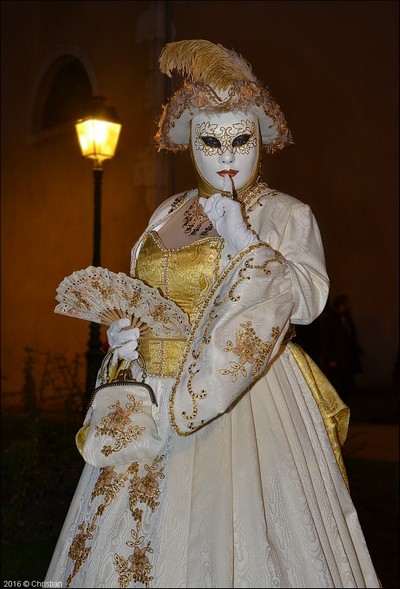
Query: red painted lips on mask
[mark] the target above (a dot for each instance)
(229, 173)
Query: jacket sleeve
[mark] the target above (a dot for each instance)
(298, 239)
(234, 337)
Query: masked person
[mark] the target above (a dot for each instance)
(250, 489)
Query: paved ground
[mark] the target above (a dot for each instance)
(371, 455)
(374, 425)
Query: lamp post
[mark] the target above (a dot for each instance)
(98, 134)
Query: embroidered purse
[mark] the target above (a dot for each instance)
(121, 423)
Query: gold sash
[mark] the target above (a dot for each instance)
(335, 413)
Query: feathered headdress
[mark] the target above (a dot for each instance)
(216, 80)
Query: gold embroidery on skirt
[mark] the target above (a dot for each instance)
(143, 489)
(108, 484)
(137, 567)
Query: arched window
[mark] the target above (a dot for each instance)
(63, 92)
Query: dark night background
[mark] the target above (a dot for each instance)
(333, 68)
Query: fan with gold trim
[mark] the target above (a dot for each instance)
(102, 296)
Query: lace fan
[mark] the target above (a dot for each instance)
(102, 296)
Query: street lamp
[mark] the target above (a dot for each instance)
(98, 133)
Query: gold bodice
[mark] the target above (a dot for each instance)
(183, 275)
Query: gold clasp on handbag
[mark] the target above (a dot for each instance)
(141, 362)
(125, 374)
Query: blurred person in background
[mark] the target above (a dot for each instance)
(340, 350)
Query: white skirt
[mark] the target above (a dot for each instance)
(254, 499)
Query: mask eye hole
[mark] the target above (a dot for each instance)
(211, 141)
(241, 140)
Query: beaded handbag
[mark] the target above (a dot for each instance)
(121, 423)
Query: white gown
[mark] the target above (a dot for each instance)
(251, 491)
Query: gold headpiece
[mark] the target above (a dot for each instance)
(216, 80)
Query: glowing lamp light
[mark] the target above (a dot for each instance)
(98, 132)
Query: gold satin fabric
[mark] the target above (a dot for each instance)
(81, 437)
(183, 275)
(335, 413)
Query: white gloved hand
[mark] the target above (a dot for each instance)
(124, 341)
(226, 217)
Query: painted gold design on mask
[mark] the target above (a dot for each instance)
(213, 139)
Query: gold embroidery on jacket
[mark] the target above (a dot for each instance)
(177, 202)
(195, 396)
(250, 349)
(118, 425)
(231, 296)
(258, 196)
(243, 275)
(206, 337)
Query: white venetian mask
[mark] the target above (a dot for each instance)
(223, 146)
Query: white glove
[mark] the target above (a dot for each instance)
(226, 217)
(124, 341)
